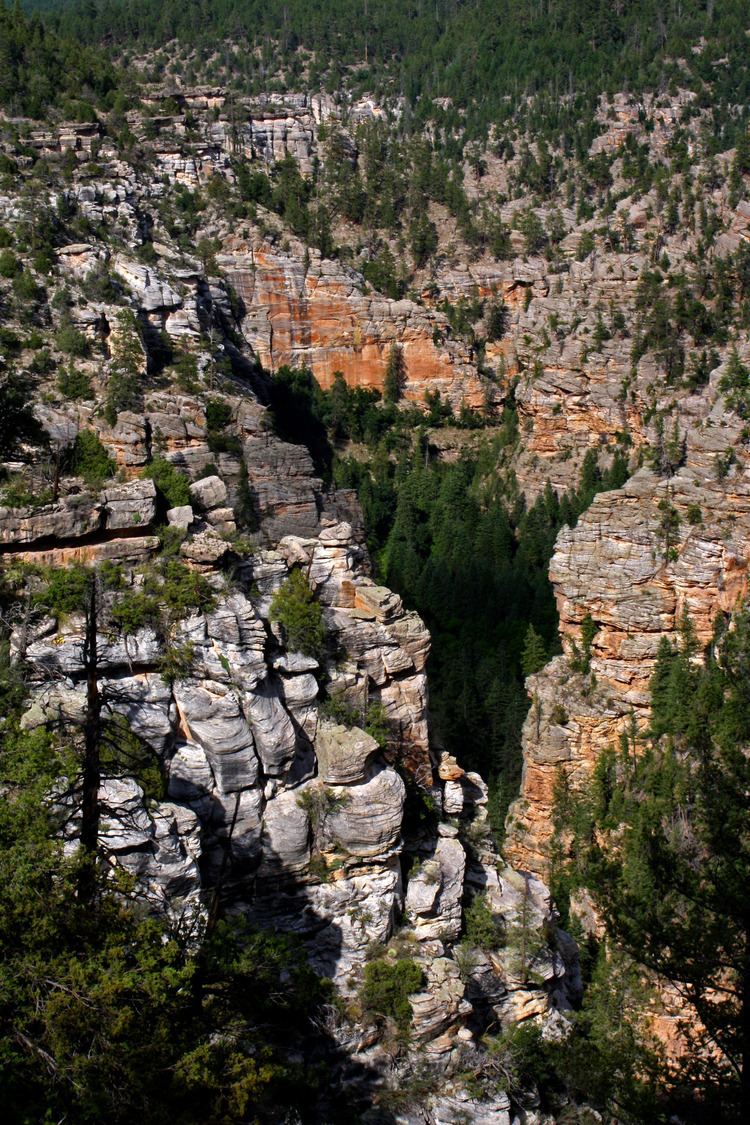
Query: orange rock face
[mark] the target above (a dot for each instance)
(641, 560)
(320, 315)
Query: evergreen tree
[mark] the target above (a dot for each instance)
(395, 374)
(672, 888)
(534, 655)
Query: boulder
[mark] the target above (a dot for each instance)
(343, 754)
(208, 493)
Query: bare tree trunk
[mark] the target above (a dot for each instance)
(91, 772)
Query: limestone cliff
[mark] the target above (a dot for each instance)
(642, 560)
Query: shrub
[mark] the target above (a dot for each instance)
(497, 320)
(17, 494)
(90, 459)
(386, 988)
(9, 265)
(70, 341)
(123, 386)
(182, 589)
(185, 367)
(320, 802)
(133, 611)
(481, 927)
(74, 384)
(65, 590)
(734, 384)
(218, 414)
(300, 616)
(170, 541)
(172, 484)
(26, 288)
(10, 344)
(218, 417)
(42, 363)
(175, 662)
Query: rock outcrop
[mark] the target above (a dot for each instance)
(643, 562)
(300, 308)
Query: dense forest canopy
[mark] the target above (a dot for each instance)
(478, 54)
(39, 68)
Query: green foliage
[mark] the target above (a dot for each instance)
(108, 1015)
(170, 482)
(581, 661)
(169, 592)
(218, 418)
(185, 367)
(64, 590)
(17, 422)
(182, 589)
(320, 802)
(17, 492)
(532, 229)
(134, 610)
(373, 718)
(38, 69)
(470, 53)
(534, 655)
(671, 888)
(90, 459)
(395, 375)
(71, 340)
(497, 319)
(386, 988)
(124, 382)
(74, 384)
(300, 616)
(481, 927)
(175, 661)
(609, 1062)
(9, 264)
(734, 384)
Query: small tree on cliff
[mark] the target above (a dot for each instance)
(534, 655)
(300, 616)
(395, 375)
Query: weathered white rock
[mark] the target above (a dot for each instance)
(129, 505)
(368, 823)
(286, 835)
(215, 720)
(435, 891)
(208, 493)
(180, 517)
(275, 738)
(343, 754)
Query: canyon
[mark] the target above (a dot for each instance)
(282, 804)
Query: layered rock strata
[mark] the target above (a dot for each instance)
(644, 562)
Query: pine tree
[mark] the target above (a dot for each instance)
(395, 374)
(672, 888)
(534, 655)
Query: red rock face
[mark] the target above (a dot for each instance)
(319, 315)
